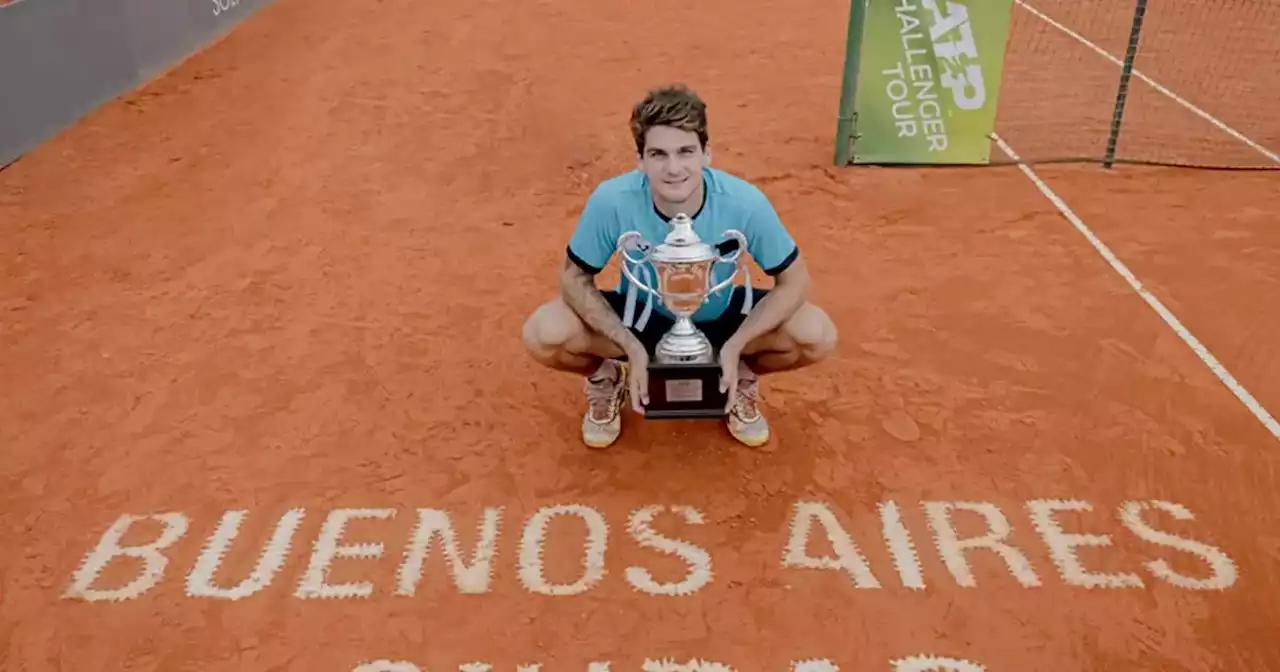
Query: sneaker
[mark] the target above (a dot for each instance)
(746, 422)
(606, 391)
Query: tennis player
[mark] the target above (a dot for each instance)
(608, 336)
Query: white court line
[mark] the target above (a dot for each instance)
(1156, 85)
(1205, 356)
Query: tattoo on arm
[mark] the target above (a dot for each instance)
(579, 291)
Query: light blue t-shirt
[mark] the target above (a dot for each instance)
(624, 203)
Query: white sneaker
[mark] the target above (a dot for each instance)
(606, 391)
(745, 421)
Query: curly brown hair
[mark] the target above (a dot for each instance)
(675, 105)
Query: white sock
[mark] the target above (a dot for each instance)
(745, 372)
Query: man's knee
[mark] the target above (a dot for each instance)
(813, 332)
(550, 329)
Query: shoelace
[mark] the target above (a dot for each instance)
(600, 397)
(746, 403)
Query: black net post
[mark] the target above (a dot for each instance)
(1126, 73)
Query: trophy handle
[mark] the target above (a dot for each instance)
(624, 246)
(734, 258)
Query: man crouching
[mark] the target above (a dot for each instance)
(582, 330)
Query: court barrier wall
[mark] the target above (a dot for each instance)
(62, 59)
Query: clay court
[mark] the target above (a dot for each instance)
(261, 360)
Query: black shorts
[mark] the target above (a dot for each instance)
(717, 330)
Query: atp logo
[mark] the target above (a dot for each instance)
(952, 38)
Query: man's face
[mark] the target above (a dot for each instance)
(673, 160)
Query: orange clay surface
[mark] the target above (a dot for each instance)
(282, 287)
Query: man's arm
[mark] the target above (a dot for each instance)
(773, 247)
(790, 291)
(578, 289)
(590, 248)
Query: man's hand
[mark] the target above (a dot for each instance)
(730, 355)
(638, 360)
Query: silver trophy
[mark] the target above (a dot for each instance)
(684, 374)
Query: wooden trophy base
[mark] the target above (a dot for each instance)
(683, 391)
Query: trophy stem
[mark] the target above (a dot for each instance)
(684, 343)
(684, 327)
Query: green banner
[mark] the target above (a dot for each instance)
(928, 80)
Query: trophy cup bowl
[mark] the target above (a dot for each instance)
(684, 372)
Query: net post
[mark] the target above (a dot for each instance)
(1126, 72)
(846, 121)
